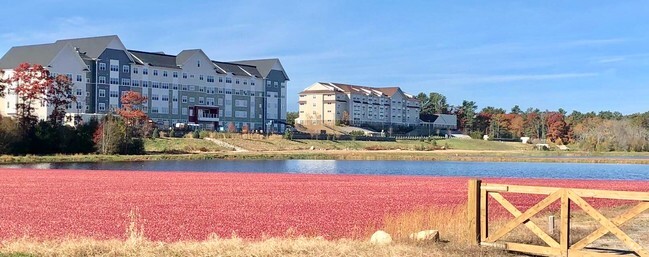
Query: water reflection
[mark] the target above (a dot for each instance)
(425, 168)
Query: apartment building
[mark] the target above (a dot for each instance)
(332, 103)
(188, 87)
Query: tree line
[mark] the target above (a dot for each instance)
(116, 133)
(602, 131)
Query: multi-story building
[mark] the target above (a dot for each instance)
(185, 88)
(333, 103)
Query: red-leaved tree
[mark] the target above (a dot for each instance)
(131, 110)
(31, 82)
(59, 95)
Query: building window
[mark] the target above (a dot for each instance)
(145, 71)
(237, 82)
(268, 82)
(240, 103)
(114, 94)
(79, 78)
(184, 111)
(174, 99)
(102, 80)
(126, 82)
(114, 67)
(184, 75)
(174, 74)
(135, 70)
(155, 84)
(79, 92)
(102, 66)
(135, 83)
(191, 99)
(114, 81)
(145, 83)
(155, 72)
(241, 114)
(200, 77)
(102, 106)
(165, 98)
(201, 100)
(228, 80)
(155, 97)
(210, 79)
(252, 83)
(164, 73)
(102, 93)
(198, 63)
(220, 79)
(126, 69)
(174, 86)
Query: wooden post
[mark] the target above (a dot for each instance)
(473, 211)
(551, 225)
(564, 239)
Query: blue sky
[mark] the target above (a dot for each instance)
(576, 55)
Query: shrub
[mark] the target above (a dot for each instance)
(196, 134)
(9, 135)
(156, 133)
(203, 134)
(475, 135)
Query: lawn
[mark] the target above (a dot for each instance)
(277, 143)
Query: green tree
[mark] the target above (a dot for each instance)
(466, 115)
(112, 137)
(433, 103)
(290, 118)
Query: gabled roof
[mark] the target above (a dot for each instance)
(355, 89)
(440, 119)
(93, 47)
(36, 54)
(154, 59)
(265, 66)
(184, 55)
(237, 69)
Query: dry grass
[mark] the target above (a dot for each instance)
(450, 221)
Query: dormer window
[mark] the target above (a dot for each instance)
(198, 63)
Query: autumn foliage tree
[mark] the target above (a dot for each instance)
(31, 83)
(131, 111)
(59, 95)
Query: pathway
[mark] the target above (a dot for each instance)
(227, 145)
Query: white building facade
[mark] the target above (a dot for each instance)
(335, 103)
(249, 93)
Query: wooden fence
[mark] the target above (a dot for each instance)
(478, 217)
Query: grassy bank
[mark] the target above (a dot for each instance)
(439, 155)
(277, 148)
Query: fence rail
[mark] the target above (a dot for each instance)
(478, 217)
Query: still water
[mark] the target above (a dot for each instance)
(423, 168)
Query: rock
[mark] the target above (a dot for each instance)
(312, 148)
(426, 235)
(381, 238)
